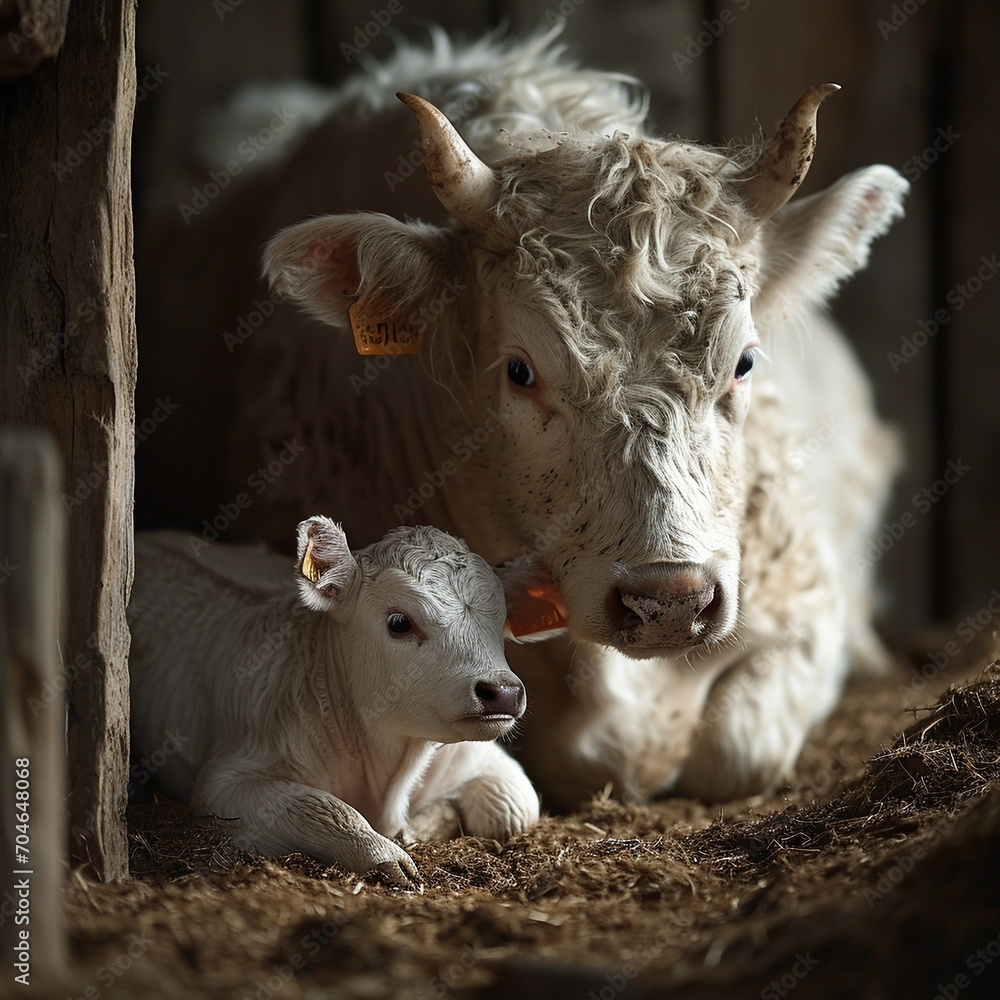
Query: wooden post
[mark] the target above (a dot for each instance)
(68, 332)
(32, 721)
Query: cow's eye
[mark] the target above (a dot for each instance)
(745, 365)
(398, 623)
(520, 372)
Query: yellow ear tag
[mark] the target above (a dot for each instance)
(309, 569)
(377, 331)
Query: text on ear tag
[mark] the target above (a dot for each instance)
(377, 332)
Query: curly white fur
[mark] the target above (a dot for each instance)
(627, 272)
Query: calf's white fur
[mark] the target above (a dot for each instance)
(328, 716)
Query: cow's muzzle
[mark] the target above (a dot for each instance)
(669, 606)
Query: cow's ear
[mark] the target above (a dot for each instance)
(326, 264)
(535, 606)
(815, 243)
(326, 568)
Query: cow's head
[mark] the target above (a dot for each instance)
(615, 284)
(420, 631)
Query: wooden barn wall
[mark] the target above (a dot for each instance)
(914, 75)
(969, 214)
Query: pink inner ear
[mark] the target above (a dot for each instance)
(340, 261)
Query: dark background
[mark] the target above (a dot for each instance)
(913, 74)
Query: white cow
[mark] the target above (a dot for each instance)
(623, 368)
(314, 713)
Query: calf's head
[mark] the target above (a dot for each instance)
(606, 337)
(420, 625)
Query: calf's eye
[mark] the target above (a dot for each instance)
(520, 372)
(398, 623)
(744, 366)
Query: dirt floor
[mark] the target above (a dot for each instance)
(874, 874)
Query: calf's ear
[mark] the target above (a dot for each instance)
(328, 263)
(326, 568)
(535, 606)
(813, 244)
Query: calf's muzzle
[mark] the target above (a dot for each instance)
(501, 699)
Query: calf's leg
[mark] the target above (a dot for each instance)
(278, 817)
(488, 788)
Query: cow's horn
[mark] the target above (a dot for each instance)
(465, 185)
(782, 167)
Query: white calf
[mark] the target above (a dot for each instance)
(315, 717)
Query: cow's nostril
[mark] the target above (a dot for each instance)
(620, 612)
(500, 699)
(712, 608)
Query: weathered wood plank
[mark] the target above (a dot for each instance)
(193, 60)
(66, 312)
(32, 820)
(968, 290)
(654, 42)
